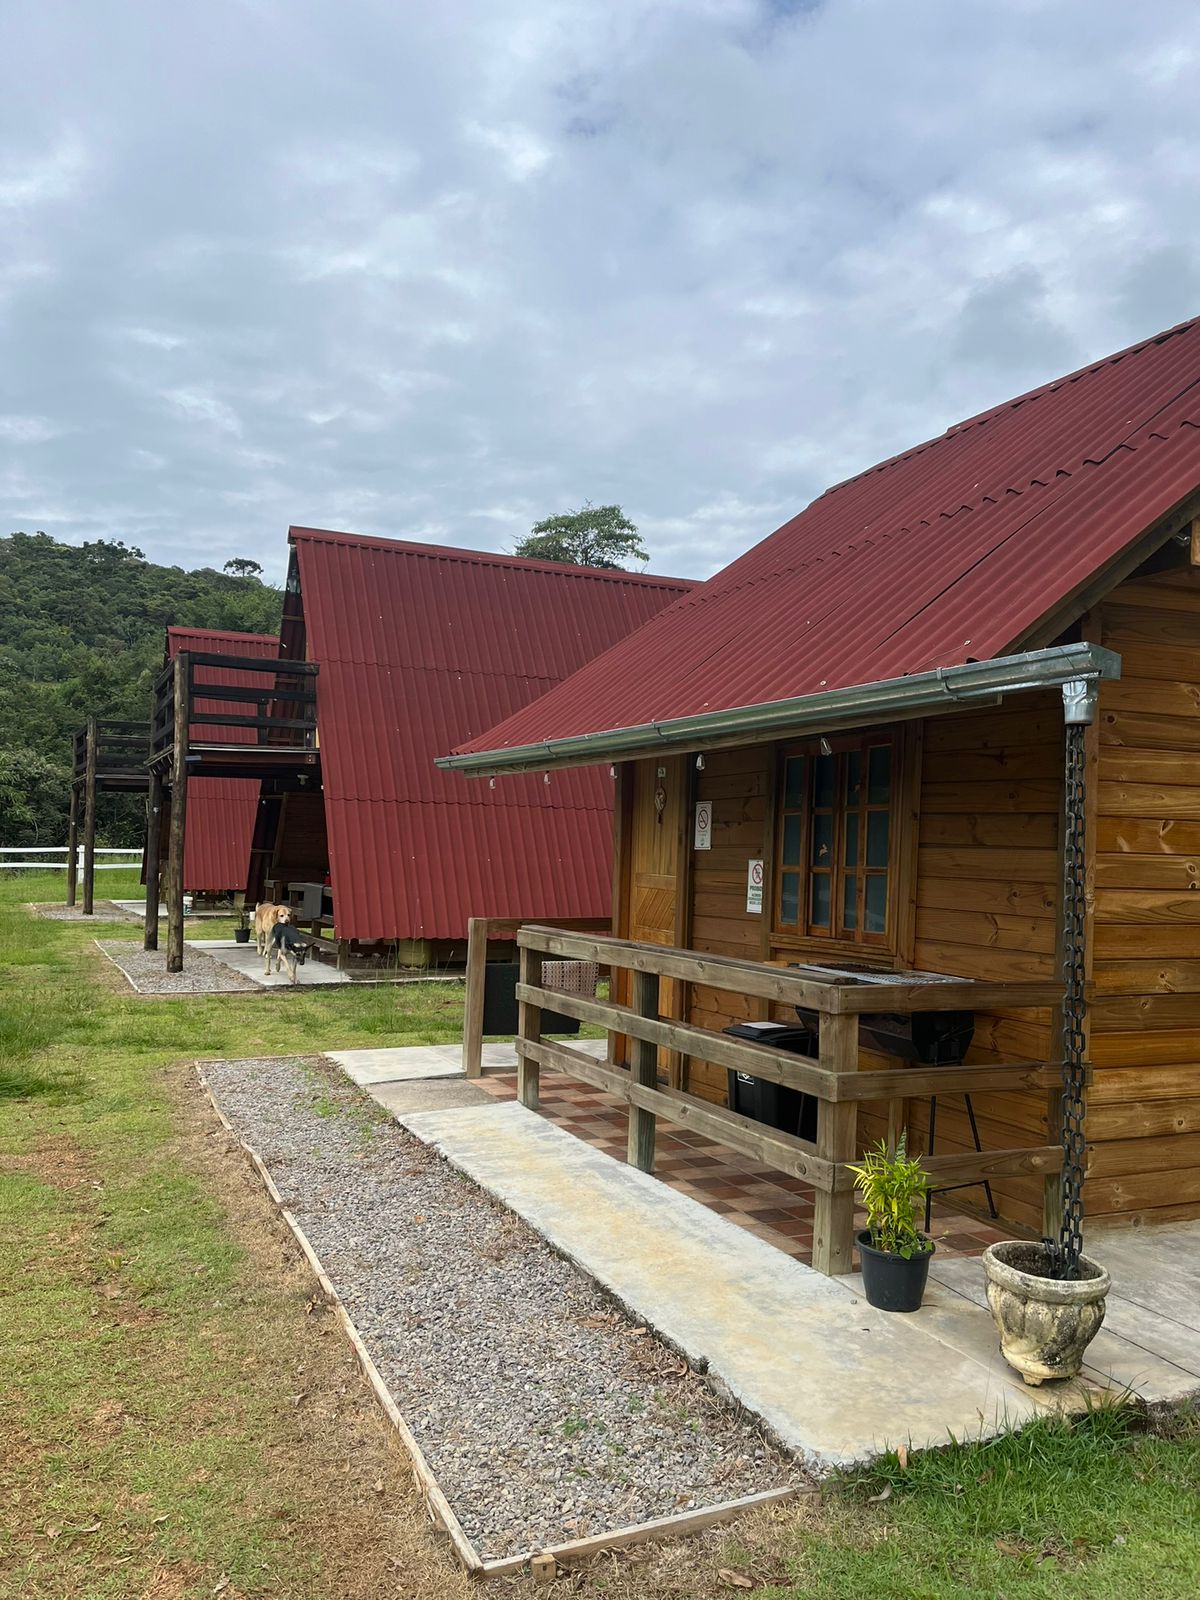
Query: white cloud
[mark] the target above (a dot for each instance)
(27, 430)
(28, 180)
(437, 272)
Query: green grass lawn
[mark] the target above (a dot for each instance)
(178, 1418)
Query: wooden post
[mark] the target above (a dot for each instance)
(529, 1026)
(73, 844)
(837, 1137)
(179, 777)
(643, 1070)
(154, 807)
(89, 821)
(477, 943)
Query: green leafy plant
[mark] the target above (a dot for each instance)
(893, 1186)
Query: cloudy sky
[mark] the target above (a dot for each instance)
(434, 271)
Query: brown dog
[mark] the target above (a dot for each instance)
(266, 915)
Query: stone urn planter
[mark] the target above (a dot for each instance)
(1045, 1323)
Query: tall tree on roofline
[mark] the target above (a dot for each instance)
(593, 536)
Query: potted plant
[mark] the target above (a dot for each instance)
(1046, 1315)
(894, 1252)
(241, 933)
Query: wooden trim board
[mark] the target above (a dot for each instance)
(436, 1504)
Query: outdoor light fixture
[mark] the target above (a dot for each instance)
(826, 747)
(546, 779)
(700, 763)
(491, 783)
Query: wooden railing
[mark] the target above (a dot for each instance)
(833, 1077)
(280, 701)
(483, 932)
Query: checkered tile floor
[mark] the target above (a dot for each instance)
(767, 1203)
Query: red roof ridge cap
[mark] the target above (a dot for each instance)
(176, 630)
(490, 558)
(980, 418)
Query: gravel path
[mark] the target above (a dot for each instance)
(545, 1413)
(105, 911)
(147, 971)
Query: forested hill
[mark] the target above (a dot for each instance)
(81, 633)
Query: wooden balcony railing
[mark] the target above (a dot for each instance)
(280, 702)
(833, 1077)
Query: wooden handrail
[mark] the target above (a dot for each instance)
(830, 995)
(833, 1079)
(792, 1070)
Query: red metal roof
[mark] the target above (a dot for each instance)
(419, 647)
(950, 552)
(220, 811)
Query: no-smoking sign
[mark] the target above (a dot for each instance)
(754, 886)
(702, 837)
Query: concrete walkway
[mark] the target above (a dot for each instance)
(244, 958)
(834, 1380)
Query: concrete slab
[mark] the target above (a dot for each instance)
(833, 1379)
(400, 1064)
(428, 1094)
(244, 958)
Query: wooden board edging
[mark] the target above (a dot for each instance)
(674, 1526)
(437, 1506)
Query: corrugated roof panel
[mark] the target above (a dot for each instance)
(947, 553)
(420, 646)
(220, 811)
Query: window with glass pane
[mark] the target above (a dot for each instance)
(835, 840)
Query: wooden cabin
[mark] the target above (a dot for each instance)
(839, 753)
(413, 647)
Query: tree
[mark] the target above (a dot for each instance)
(242, 567)
(593, 536)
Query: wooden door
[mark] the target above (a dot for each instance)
(654, 872)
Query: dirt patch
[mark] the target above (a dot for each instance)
(56, 1161)
(337, 1450)
(102, 911)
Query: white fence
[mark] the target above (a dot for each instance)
(132, 858)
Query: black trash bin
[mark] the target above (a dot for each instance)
(773, 1103)
(500, 1003)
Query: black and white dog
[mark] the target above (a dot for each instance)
(285, 948)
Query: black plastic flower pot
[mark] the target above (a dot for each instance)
(891, 1282)
(242, 935)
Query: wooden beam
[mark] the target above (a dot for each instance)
(73, 845)
(477, 946)
(975, 1166)
(154, 809)
(179, 781)
(89, 821)
(807, 987)
(837, 1143)
(643, 1070)
(529, 1030)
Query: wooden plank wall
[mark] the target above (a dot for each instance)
(1144, 1104)
(737, 785)
(301, 846)
(986, 889)
(986, 876)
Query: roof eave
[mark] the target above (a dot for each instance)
(891, 699)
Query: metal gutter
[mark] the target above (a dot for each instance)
(832, 710)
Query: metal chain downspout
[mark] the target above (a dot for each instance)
(1079, 709)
